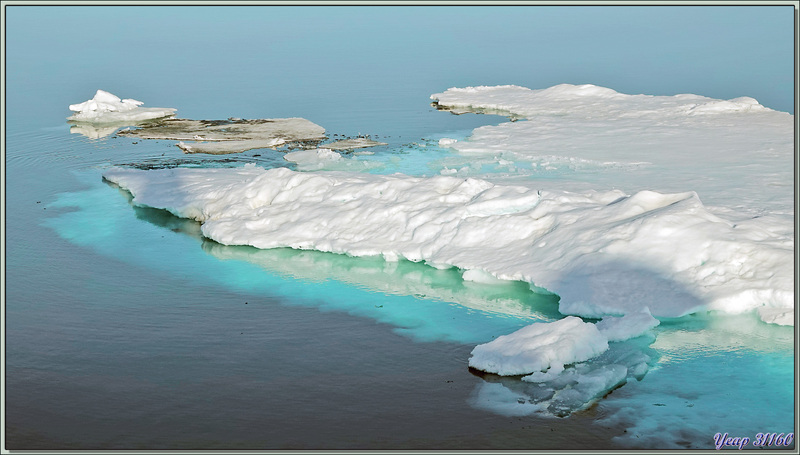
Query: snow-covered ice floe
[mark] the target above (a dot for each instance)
(604, 253)
(593, 137)
(736, 155)
(567, 365)
(106, 108)
(539, 348)
(632, 240)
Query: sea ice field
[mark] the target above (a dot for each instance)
(482, 267)
(589, 274)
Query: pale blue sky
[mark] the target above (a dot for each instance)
(315, 54)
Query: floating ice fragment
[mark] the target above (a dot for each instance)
(108, 108)
(629, 326)
(580, 386)
(560, 393)
(539, 347)
(105, 102)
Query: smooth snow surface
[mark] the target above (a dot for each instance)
(588, 137)
(108, 108)
(604, 253)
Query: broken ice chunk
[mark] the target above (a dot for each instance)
(108, 108)
(539, 347)
(626, 327)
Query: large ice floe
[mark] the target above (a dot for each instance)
(604, 253)
(581, 137)
(625, 233)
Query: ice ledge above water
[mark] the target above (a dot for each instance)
(587, 99)
(604, 253)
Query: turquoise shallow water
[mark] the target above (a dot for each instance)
(127, 330)
(402, 294)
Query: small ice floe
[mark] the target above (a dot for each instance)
(233, 135)
(106, 108)
(576, 388)
(567, 364)
(540, 347)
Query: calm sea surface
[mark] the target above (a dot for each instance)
(125, 329)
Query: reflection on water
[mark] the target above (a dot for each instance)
(93, 131)
(398, 278)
